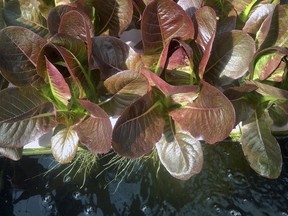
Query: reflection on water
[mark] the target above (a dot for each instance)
(226, 186)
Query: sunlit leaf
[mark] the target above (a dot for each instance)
(210, 116)
(266, 62)
(274, 30)
(19, 49)
(24, 116)
(230, 57)
(256, 19)
(206, 22)
(180, 153)
(12, 153)
(155, 80)
(95, 131)
(112, 16)
(138, 128)
(163, 20)
(58, 85)
(260, 146)
(45, 6)
(25, 14)
(64, 144)
(77, 25)
(125, 88)
(75, 68)
(190, 6)
(270, 91)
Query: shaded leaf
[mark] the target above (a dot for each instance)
(112, 16)
(11, 153)
(138, 128)
(112, 55)
(230, 57)
(210, 117)
(3, 82)
(24, 116)
(125, 88)
(95, 131)
(76, 46)
(162, 21)
(260, 147)
(227, 23)
(179, 64)
(55, 15)
(180, 153)
(19, 49)
(58, 85)
(64, 144)
(279, 113)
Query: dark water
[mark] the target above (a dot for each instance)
(226, 186)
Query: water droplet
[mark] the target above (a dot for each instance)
(47, 198)
(146, 210)
(50, 207)
(47, 185)
(66, 179)
(88, 209)
(76, 195)
(235, 213)
(216, 207)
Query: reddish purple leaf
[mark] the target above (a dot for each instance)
(155, 80)
(95, 131)
(55, 15)
(123, 89)
(230, 57)
(162, 21)
(210, 117)
(207, 22)
(112, 55)
(113, 16)
(256, 19)
(190, 6)
(266, 62)
(19, 52)
(78, 25)
(274, 31)
(139, 127)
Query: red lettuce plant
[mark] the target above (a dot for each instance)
(201, 68)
